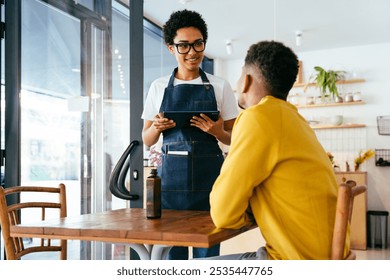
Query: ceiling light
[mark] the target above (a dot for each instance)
(184, 1)
(298, 37)
(229, 47)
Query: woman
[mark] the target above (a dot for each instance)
(191, 155)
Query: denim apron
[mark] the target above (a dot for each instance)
(191, 159)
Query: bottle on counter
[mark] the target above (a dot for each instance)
(153, 195)
(347, 168)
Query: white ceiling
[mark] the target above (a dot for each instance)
(325, 24)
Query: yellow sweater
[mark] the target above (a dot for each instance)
(277, 169)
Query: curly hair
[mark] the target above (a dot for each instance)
(181, 19)
(277, 65)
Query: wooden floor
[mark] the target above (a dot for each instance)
(373, 254)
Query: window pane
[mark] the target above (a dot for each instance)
(86, 3)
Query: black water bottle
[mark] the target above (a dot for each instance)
(153, 195)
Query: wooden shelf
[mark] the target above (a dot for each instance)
(328, 126)
(331, 104)
(342, 82)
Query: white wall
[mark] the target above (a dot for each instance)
(372, 63)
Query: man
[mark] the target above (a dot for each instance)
(276, 170)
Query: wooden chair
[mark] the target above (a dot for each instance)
(9, 216)
(346, 194)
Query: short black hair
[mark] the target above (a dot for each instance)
(181, 19)
(277, 64)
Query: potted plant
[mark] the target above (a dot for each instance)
(326, 81)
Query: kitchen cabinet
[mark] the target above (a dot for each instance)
(358, 222)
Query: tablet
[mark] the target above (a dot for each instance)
(182, 118)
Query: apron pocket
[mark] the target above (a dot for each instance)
(206, 170)
(176, 171)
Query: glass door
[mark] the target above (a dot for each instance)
(54, 105)
(68, 102)
(52, 100)
(2, 92)
(73, 126)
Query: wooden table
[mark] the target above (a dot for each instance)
(150, 238)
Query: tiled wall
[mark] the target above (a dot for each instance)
(344, 144)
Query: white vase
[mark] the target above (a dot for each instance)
(336, 120)
(357, 96)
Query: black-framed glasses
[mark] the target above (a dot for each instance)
(184, 48)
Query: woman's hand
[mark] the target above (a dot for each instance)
(220, 129)
(160, 123)
(204, 123)
(153, 128)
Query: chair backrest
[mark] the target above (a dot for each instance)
(10, 213)
(346, 194)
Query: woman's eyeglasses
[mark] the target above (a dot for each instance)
(184, 48)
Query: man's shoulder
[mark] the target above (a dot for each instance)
(257, 113)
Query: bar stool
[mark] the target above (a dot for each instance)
(377, 223)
